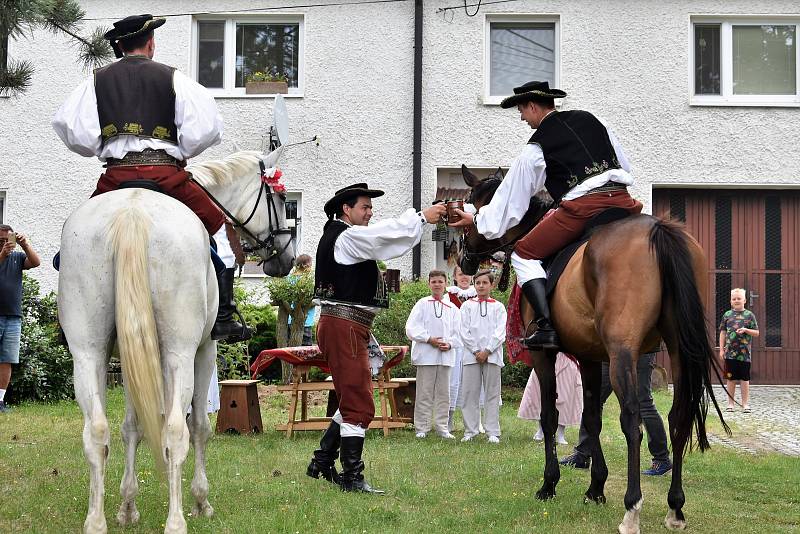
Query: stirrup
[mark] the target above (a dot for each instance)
(542, 339)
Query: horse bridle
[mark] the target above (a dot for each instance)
(268, 243)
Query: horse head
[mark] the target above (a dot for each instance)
(475, 248)
(247, 186)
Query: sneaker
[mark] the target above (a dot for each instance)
(658, 469)
(747, 409)
(539, 436)
(4, 407)
(421, 435)
(446, 435)
(494, 439)
(729, 409)
(466, 438)
(576, 460)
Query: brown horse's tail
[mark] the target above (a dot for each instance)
(681, 296)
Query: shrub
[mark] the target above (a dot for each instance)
(44, 372)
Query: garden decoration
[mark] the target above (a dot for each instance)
(135, 268)
(635, 283)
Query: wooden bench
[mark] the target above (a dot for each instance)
(387, 418)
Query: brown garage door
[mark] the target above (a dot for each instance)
(751, 241)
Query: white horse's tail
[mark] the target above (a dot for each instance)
(137, 337)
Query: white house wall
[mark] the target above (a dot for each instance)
(626, 60)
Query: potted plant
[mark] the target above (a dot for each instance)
(265, 83)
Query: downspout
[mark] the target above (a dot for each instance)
(416, 266)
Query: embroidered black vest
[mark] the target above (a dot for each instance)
(135, 96)
(360, 283)
(576, 147)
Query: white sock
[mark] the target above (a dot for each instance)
(2, 394)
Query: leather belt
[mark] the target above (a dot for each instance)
(607, 187)
(349, 313)
(147, 157)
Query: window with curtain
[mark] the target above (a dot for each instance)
(228, 51)
(519, 51)
(745, 62)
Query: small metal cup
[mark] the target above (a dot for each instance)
(452, 206)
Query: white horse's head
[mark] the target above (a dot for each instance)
(244, 184)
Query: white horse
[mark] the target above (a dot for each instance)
(136, 271)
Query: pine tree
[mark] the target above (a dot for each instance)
(21, 17)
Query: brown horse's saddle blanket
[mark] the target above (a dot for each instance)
(555, 264)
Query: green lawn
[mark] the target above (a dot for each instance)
(258, 483)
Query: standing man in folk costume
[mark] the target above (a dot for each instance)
(144, 119)
(578, 160)
(351, 290)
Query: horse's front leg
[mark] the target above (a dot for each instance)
(129, 487)
(90, 392)
(592, 421)
(545, 368)
(200, 426)
(623, 374)
(176, 446)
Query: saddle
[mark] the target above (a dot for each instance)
(555, 264)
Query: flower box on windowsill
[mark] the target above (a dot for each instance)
(266, 88)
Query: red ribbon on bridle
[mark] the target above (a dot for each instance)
(274, 181)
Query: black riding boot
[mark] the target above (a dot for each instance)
(545, 336)
(351, 478)
(226, 326)
(322, 463)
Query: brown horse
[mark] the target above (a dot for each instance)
(635, 282)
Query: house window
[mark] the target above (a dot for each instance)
(519, 49)
(227, 51)
(744, 62)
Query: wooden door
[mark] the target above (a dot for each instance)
(751, 241)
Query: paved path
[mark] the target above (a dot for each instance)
(773, 425)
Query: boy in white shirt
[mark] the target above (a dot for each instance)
(483, 330)
(433, 327)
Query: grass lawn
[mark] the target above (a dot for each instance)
(258, 483)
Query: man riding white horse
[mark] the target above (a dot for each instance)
(145, 119)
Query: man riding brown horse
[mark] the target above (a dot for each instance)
(578, 160)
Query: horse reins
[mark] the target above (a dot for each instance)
(268, 244)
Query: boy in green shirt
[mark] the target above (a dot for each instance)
(737, 329)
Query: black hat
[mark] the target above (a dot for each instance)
(131, 27)
(531, 92)
(348, 193)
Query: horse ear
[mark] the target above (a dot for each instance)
(469, 178)
(499, 173)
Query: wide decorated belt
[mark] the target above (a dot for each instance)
(349, 313)
(147, 157)
(608, 187)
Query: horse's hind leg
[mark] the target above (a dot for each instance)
(593, 398)
(675, 519)
(176, 436)
(624, 378)
(90, 392)
(200, 426)
(129, 487)
(545, 369)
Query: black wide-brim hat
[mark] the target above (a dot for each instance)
(348, 193)
(131, 27)
(531, 92)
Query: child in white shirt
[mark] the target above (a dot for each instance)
(462, 291)
(483, 330)
(433, 327)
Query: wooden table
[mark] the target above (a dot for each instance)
(303, 358)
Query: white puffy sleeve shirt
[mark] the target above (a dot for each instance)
(431, 318)
(483, 327)
(526, 177)
(199, 123)
(383, 240)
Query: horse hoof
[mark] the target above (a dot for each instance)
(175, 526)
(597, 499)
(622, 529)
(127, 515)
(544, 495)
(205, 510)
(672, 522)
(95, 525)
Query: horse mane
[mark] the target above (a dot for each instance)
(223, 171)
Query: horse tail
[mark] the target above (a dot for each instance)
(680, 295)
(137, 337)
